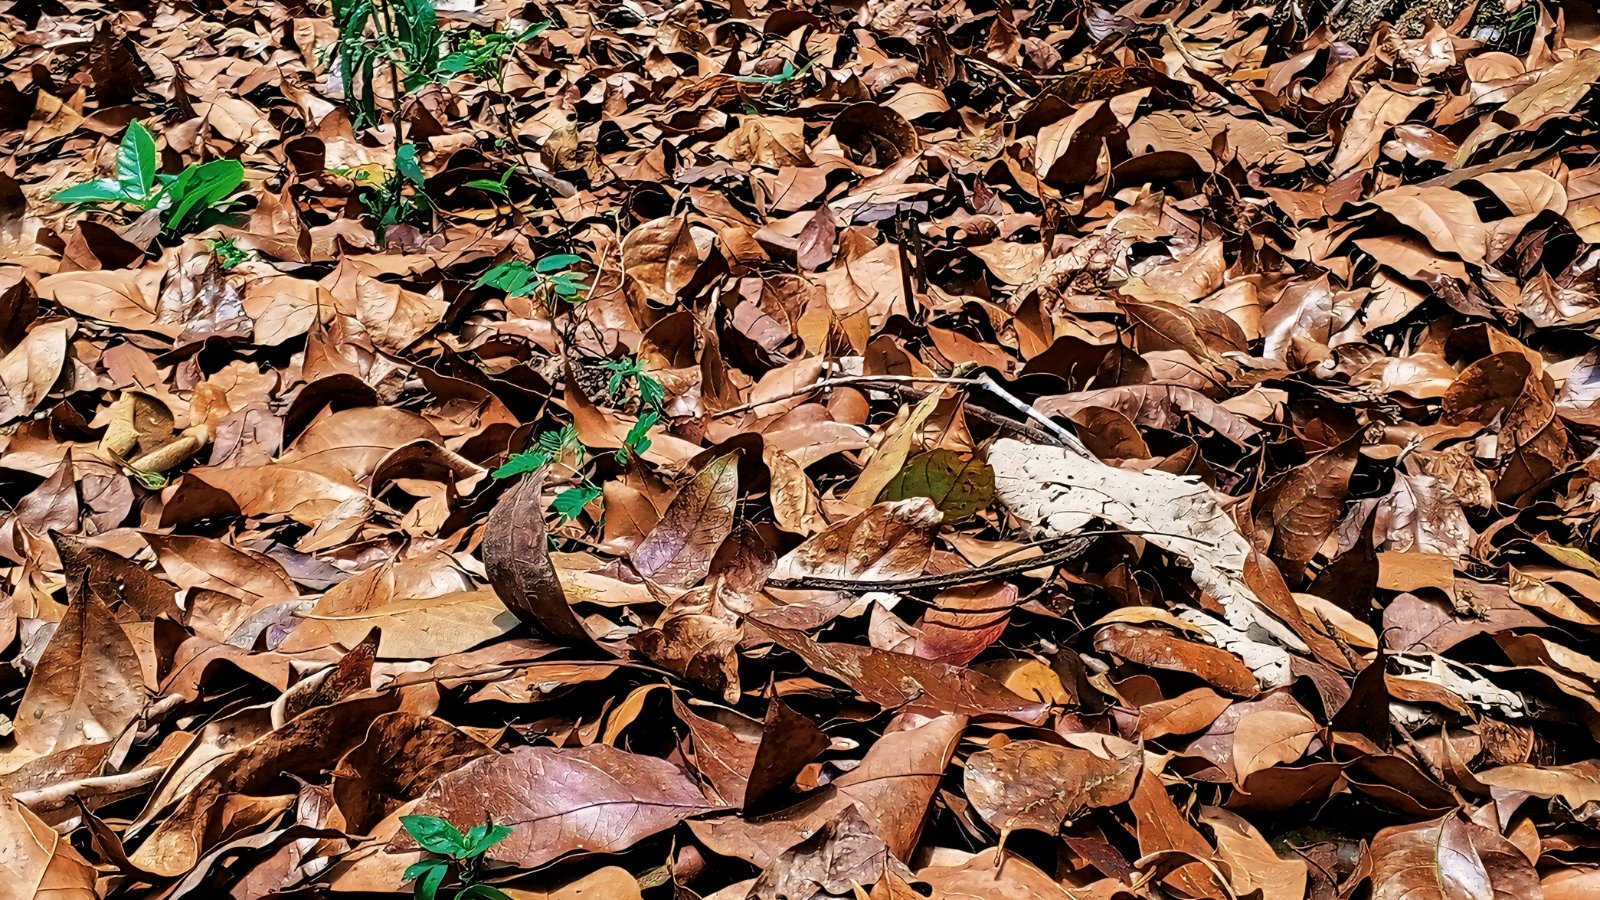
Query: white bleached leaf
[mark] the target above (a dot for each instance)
(1057, 492)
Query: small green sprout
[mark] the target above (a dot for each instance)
(496, 186)
(550, 276)
(630, 369)
(192, 199)
(228, 253)
(461, 852)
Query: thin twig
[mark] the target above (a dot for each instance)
(843, 381)
(1073, 545)
(901, 384)
(924, 582)
(1066, 438)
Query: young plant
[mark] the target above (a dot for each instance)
(395, 197)
(190, 200)
(638, 440)
(483, 54)
(561, 445)
(630, 370)
(228, 253)
(461, 854)
(548, 278)
(496, 186)
(403, 35)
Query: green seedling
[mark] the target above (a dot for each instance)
(403, 35)
(391, 200)
(483, 54)
(549, 277)
(493, 185)
(228, 253)
(460, 854)
(562, 444)
(630, 370)
(192, 199)
(553, 444)
(569, 503)
(638, 440)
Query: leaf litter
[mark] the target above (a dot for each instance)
(729, 450)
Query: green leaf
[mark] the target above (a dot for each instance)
(456, 63)
(136, 161)
(636, 442)
(515, 277)
(485, 184)
(417, 32)
(482, 892)
(534, 30)
(569, 503)
(229, 254)
(556, 262)
(521, 464)
(405, 162)
(200, 188)
(959, 484)
(419, 868)
(427, 886)
(101, 190)
(563, 442)
(650, 391)
(484, 836)
(435, 834)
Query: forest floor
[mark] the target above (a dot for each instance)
(724, 450)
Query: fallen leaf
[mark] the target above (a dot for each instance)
(517, 559)
(679, 550)
(1041, 786)
(608, 799)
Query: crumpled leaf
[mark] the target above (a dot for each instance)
(1448, 858)
(517, 560)
(38, 863)
(679, 550)
(87, 686)
(1042, 786)
(892, 680)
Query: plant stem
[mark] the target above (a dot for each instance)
(392, 38)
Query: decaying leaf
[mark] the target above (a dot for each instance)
(1057, 492)
(1032, 784)
(607, 800)
(517, 559)
(869, 450)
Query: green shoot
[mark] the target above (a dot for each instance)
(392, 200)
(569, 503)
(136, 174)
(554, 444)
(483, 54)
(637, 441)
(549, 277)
(190, 200)
(494, 186)
(630, 369)
(461, 853)
(228, 253)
